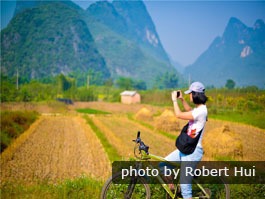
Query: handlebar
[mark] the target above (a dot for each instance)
(140, 144)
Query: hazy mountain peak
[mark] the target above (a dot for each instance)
(47, 40)
(234, 20)
(22, 5)
(235, 24)
(259, 24)
(105, 13)
(132, 20)
(235, 30)
(101, 6)
(238, 55)
(110, 37)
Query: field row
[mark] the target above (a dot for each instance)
(120, 131)
(59, 148)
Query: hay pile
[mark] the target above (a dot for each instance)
(167, 122)
(221, 142)
(144, 114)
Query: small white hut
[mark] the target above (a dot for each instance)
(130, 97)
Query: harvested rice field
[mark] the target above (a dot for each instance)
(57, 148)
(62, 145)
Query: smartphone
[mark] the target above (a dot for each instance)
(178, 94)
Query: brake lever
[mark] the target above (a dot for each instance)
(138, 139)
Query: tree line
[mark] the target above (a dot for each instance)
(77, 87)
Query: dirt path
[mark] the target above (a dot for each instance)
(59, 147)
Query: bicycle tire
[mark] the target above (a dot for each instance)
(113, 190)
(227, 189)
(216, 191)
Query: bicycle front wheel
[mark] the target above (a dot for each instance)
(127, 189)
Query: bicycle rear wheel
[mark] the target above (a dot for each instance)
(127, 189)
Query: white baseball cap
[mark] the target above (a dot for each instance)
(196, 87)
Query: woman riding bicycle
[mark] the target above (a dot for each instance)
(197, 118)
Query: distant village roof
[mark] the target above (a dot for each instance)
(128, 93)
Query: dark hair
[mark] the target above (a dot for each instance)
(199, 98)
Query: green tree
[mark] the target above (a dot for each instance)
(139, 85)
(167, 81)
(8, 89)
(230, 84)
(109, 82)
(86, 94)
(124, 83)
(65, 83)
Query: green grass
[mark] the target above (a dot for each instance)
(83, 187)
(253, 191)
(110, 150)
(251, 118)
(91, 111)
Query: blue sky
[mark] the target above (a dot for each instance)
(187, 28)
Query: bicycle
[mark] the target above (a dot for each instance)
(138, 187)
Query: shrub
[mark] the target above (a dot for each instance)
(14, 123)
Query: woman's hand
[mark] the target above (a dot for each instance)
(180, 94)
(174, 96)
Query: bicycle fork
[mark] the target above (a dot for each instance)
(130, 188)
(166, 187)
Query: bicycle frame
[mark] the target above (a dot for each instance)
(146, 157)
(141, 152)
